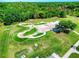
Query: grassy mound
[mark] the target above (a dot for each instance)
(74, 55)
(38, 34)
(31, 31)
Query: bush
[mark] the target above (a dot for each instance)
(66, 26)
(62, 14)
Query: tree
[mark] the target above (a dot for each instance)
(66, 26)
(41, 14)
(62, 14)
(8, 19)
(18, 12)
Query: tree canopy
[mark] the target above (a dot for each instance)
(21, 11)
(66, 25)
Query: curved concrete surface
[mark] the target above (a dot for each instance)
(43, 28)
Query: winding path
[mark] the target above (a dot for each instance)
(43, 28)
(76, 32)
(31, 26)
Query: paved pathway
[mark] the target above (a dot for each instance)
(72, 50)
(69, 52)
(43, 28)
(76, 32)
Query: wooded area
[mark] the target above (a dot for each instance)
(21, 11)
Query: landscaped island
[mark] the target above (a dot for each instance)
(39, 30)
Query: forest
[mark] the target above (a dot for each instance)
(21, 11)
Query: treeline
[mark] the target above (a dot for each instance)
(21, 11)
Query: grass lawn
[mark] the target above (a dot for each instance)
(48, 44)
(74, 55)
(4, 44)
(31, 31)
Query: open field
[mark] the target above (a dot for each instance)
(11, 46)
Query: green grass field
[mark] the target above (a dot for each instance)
(30, 32)
(11, 46)
(74, 55)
